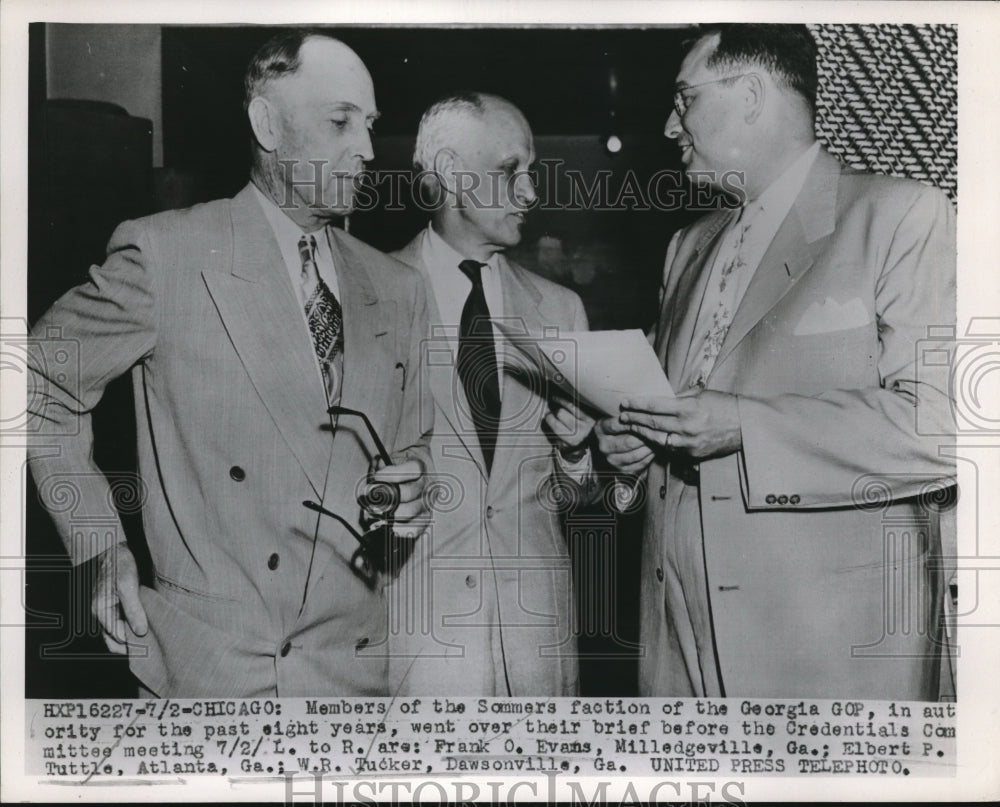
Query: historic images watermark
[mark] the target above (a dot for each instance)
(556, 188)
(318, 788)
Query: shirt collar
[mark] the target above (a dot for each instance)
(286, 231)
(441, 253)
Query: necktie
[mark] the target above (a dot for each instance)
(722, 298)
(326, 320)
(477, 362)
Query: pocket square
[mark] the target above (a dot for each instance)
(829, 315)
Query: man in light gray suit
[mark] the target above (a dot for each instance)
(241, 321)
(791, 329)
(492, 585)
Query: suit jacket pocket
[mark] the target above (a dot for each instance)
(164, 582)
(814, 363)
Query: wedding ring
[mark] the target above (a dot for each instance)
(666, 440)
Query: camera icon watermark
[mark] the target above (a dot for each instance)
(910, 507)
(541, 363)
(968, 369)
(50, 365)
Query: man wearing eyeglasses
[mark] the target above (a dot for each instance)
(243, 321)
(789, 328)
(493, 582)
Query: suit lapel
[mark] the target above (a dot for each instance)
(367, 341)
(521, 300)
(259, 310)
(367, 351)
(791, 252)
(439, 356)
(684, 303)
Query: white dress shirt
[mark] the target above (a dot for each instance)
(451, 288)
(288, 234)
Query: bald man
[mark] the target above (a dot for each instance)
(241, 321)
(492, 586)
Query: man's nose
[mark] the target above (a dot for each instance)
(673, 127)
(365, 152)
(524, 189)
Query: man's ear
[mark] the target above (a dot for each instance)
(264, 123)
(446, 162)
(755, 90)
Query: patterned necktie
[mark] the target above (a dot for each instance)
(722, 295)
(477, 362)
(326, 320)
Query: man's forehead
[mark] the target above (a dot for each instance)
(319, 52)
(331, 70)
(694, 69)
(502, 129)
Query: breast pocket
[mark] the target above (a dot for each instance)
(818, 362)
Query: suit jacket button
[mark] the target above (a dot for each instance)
(273, 561)
(286, 648)
(362, 643)
(470, 581)
(771, 499)
(659, 574)
(782, 500)
(663, 491)
(237, 474)
(489, 511)
(794, 499)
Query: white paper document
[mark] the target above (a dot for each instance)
(601, 368)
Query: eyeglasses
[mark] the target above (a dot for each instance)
(380, 550)
(681, 103)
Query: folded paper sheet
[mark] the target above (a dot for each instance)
(599, 368)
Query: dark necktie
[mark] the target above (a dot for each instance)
(477, 362)
(326, 320)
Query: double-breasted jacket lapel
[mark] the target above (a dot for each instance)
(259, 309)
(368, 347)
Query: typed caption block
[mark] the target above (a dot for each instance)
(439, 736)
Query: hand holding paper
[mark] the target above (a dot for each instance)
(699, 425)
(624, 451)
(570, 426)
(599, 368)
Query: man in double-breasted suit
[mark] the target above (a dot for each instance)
(241, 321)
(489, 595)
(789, 546)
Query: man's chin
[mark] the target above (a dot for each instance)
(336, 211)
(703, 178)
(512, 238)
(698, 175)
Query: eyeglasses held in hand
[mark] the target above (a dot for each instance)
(381, 550)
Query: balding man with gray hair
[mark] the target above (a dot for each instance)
(495, 578)
(242, 322)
